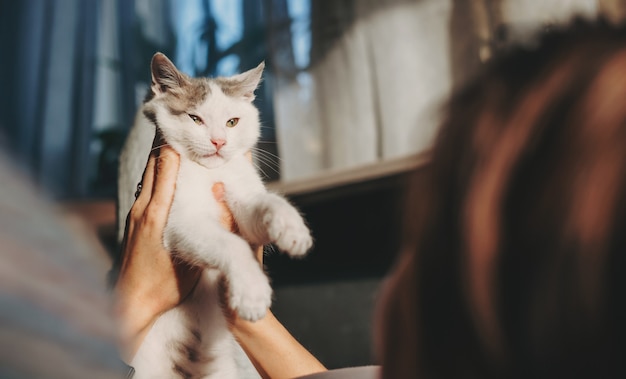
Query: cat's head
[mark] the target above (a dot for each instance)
(207, 120)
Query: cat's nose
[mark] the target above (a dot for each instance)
(218, 142)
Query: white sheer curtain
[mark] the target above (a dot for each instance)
(375, 93)
(362, 100)
(523, 17)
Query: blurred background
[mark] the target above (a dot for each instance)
(349, 104)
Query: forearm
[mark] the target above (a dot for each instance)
(273, 350)
(135, 314)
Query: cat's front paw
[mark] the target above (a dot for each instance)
(250, 294)
(287, 230)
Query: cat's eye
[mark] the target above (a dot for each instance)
(232, 122)
(196, 119)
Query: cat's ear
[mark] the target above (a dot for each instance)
(165, 76)
(244, 84)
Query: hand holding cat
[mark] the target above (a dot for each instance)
(149, 282)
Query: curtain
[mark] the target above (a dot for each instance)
(348, 82)
(48, 64)
(377, 72)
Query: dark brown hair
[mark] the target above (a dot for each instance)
(514, 263)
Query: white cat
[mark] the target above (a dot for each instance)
(212, 124)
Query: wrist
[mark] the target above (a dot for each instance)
(135, 312)
(273, 350)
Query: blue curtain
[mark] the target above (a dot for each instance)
(46, 96)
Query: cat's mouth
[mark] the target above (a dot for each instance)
(211, 155)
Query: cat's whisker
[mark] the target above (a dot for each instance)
(265, 173)
(268, 142)
(260, 170)
(158, 147)
(269, 249)
(269, 156)
(265, 158)
(273, 167)
(266, 153)
(269, 163)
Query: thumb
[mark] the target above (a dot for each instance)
(226, 217)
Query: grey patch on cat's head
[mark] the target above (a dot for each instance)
(186, 97)
(242, 85)
(181, 92)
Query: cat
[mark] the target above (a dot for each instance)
(212, 124)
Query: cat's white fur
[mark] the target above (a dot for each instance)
(193, 340)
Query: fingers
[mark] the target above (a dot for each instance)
(226, 217)
(149, 173)
(218, 191)
(158, 183)
(147, 182)
(258, 253)
(165, 175)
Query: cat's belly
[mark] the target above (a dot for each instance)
(191, 340)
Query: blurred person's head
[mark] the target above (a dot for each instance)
(515, 263)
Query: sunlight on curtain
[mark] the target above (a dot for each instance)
(188, 21)
(108, 86)
(372, 94)
(193, 21)
(300, 13)
(533, 13)
(523, 17)
(229, 30)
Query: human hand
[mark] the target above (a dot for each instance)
(149, 281)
